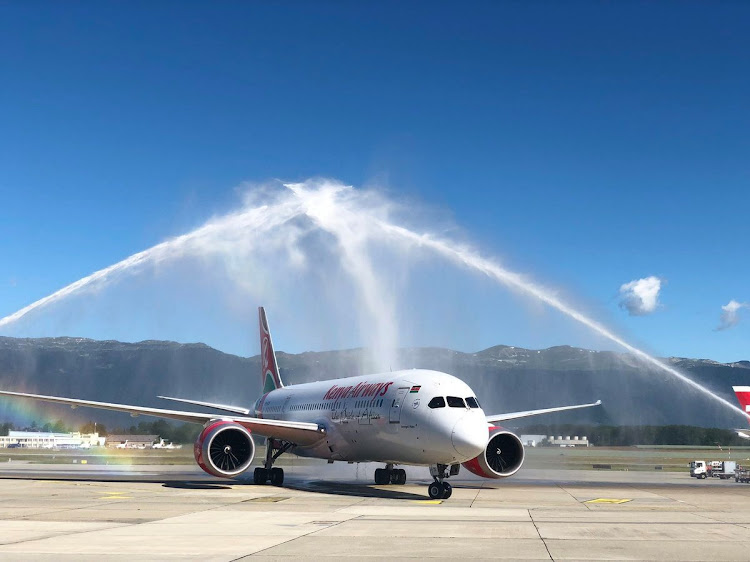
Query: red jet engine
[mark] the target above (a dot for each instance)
(502, 457)
(224, 448)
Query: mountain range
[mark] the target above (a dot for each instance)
(505, 378)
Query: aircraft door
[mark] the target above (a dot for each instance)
(397, 403)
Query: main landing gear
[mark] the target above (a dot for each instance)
(274, 449)
(390, 475)
(262, 476)
(440, 490)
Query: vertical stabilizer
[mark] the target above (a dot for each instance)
(743, 395)
(269, 367)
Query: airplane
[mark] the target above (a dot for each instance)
(409, 417)
(743, 396)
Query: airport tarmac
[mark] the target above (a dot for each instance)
(85, 512)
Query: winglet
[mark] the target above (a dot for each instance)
(269, 367)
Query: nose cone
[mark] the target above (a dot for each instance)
(470, 435)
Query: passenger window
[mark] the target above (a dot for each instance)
(472, 402)
(437, 402)
(456, 402)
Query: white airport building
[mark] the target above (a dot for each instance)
(575, 441)
(533, 440)
(48, 440)
(552, 441)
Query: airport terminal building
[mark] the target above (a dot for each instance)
(48, 440)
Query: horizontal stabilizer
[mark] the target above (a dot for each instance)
(233, 409)
(527, 413)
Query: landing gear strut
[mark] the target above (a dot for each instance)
(438, 489)
(274, 449)
(390, 475)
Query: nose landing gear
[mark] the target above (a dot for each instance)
(439, 489)
(390, 475)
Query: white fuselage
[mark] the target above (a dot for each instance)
(385, 417)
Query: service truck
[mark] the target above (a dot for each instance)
(723, 469)
(717, 469)
(698, 469)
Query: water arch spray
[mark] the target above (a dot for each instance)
(354, 219)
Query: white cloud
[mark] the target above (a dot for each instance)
(730, 315)
(641, 296)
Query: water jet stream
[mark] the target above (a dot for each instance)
(473, 260)
(355, 219)
(193, 241)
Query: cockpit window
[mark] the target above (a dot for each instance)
(437, 402)
(472, 402)
(456, 402)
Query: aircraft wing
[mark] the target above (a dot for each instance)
(527, 413)
(233, 409)
(300, 433)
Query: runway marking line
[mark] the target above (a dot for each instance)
(267, 499)
(608, 500)
(428, 502)
(116, 496)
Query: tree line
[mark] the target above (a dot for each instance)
(628, 435)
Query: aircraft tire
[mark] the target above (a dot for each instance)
(381, 476)
(260, 476)
(447, 490)
(435, 491)
(400, 476)
(277, 476)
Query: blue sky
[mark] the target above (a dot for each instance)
(585, 144)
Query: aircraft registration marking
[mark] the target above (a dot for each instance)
(608, 500)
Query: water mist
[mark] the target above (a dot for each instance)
(354, 224)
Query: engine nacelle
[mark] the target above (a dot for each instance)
(502, 457)
(225, 449)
